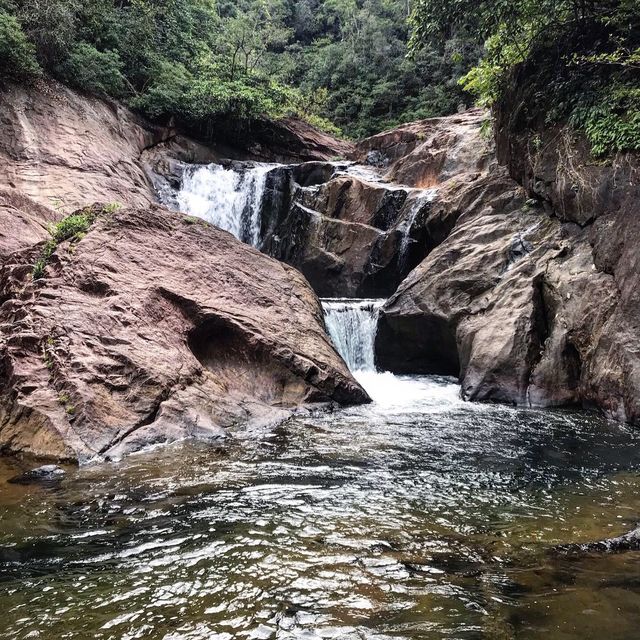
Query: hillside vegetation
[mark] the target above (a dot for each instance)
(351, 67)
(569, 61)
(341, 64)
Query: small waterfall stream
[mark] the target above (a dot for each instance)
(352, 325)
(229, 199)
(419, 204)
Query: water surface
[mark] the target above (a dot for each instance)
(418, 516)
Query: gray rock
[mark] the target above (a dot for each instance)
(46, 473)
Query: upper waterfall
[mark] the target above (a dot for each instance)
(226, 197)
(352, 325)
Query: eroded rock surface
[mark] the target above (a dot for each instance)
(153, 328)
(64, 150)
(23, 221)
(532, 297)
(429, 152)
(347, 231)
(358, 229)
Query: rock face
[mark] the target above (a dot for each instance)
(153, 328)
(357, 229)
(23, 222)
(532, 297)
(347, 231)
(150, 328)
(64, 150)
(429, 152)
(294, 140)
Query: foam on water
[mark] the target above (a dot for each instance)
(227, 198)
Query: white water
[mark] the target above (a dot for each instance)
(228, 199)
(352, 325)
(418, 204)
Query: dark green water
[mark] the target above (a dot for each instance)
(416, 517)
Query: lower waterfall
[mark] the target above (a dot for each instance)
(225, 197)
(352, 325)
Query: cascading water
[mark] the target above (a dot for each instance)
(229, 199)
(420, 202)
(352, 325)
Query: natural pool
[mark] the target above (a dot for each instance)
(418, 516)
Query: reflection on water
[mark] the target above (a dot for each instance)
(418, 516)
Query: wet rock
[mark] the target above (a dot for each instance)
(626, 542)
(350, 234)
(519, 249)
(514, 331)
(377, 159)
(46, 473)
(527, 304)
(153, 328)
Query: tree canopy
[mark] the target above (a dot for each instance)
(342, 64)
(578, 60)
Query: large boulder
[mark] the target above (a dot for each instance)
(427, 153)
(154, 327)
(533, 296)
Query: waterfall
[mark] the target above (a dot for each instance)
(418, 205)
(229, 199)
(352, 325)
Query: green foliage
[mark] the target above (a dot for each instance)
(612, 123)
(340, 64)
(112, 207)
(357, 54)
(65, 401)
(91, 70)
(50, 25)
(73, 227)
(572, 61)
(17, 53)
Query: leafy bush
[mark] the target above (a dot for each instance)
(91, 70)
(612, 123)
(73, 227)
(17, 53)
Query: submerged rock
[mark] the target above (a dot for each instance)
(46, 473)
(626, 542)
(152, 328)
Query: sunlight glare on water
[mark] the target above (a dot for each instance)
(417, 516)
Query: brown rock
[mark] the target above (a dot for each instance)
(429, 152)
(350, 232)
(64, 150)
(294, 140)
(23, 222)
(152, 328)
(534, 302)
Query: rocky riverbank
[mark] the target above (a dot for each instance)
(145, 326)
(149, 326)
(532, 296)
